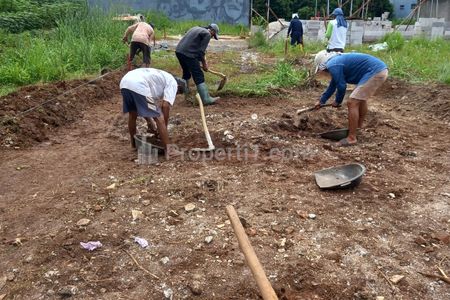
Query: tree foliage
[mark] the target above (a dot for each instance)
(307, 8)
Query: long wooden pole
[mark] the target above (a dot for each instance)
(268, 22)
(253, 263)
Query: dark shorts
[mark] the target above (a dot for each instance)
(135, 46)
(134, 102)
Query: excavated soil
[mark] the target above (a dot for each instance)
(58, 160)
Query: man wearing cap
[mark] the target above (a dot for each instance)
(150, 93)
(190, 51)
(296, 31)
(337, 32)
(366, 71)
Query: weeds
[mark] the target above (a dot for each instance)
(395, 40)
(418, 60)
(257, 40)
(267, 83)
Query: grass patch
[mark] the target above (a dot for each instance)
(418, 60)
(82, 44)
(266, 83)
(5, 90)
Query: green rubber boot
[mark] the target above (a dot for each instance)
(204, 94)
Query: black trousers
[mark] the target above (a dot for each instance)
(191, 68)
(135, 46)
(296, 38)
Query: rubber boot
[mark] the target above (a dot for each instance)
(204, 94)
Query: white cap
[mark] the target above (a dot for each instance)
(321, 59)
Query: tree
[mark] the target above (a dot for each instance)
(306, 8)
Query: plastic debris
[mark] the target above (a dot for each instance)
(254, 116)
(91, 245)
(142, 242)
(189, 207)
(167, 291)
(83, 222)
(379, 47)
(111, 187)
(137, 214)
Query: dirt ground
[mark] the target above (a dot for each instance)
(58, 160)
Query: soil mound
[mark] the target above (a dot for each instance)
(25, 119)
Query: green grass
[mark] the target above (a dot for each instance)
(80, 45)
(85, 43)
(266, 82)
(418, 60)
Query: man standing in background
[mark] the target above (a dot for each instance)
(337, 32)
(296, 31)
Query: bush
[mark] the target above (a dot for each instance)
(257, 40)
(395, 40)
(285, 75)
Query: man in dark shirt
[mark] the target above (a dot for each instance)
(297, 31)
(191, 51)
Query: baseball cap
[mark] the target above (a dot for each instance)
(214, 27)
(320, 60)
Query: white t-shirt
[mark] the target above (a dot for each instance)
(150, 82)
(338, 36)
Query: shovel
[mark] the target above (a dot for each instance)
(222, 76)
(211, 146)
(300, 111)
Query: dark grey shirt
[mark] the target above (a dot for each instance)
(194, 43)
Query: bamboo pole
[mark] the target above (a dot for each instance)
(253, 263)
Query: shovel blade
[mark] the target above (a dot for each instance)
(222, 83)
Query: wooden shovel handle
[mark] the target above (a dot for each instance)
(253, 263)
(205, 127)
(217, 73)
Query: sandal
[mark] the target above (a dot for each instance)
(345, 143)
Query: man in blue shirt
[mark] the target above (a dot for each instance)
(296, 31)
(366, 71)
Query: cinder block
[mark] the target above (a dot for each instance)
(437, 32)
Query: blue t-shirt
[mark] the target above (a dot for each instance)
(353, 68)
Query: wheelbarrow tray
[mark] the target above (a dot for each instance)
(147, 143)
(340, 177)
(335, 135)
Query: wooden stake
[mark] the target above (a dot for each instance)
(141, 267)
(253, 263)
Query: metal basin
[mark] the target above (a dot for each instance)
(335, 135)
(144, 144)
(340, 177)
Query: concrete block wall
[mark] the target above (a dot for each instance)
(360, 31)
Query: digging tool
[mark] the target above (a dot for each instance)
(222, 81)
(300, 111)
(253, 263)
(286, 41)
(205, 128)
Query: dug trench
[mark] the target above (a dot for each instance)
(58, 160)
